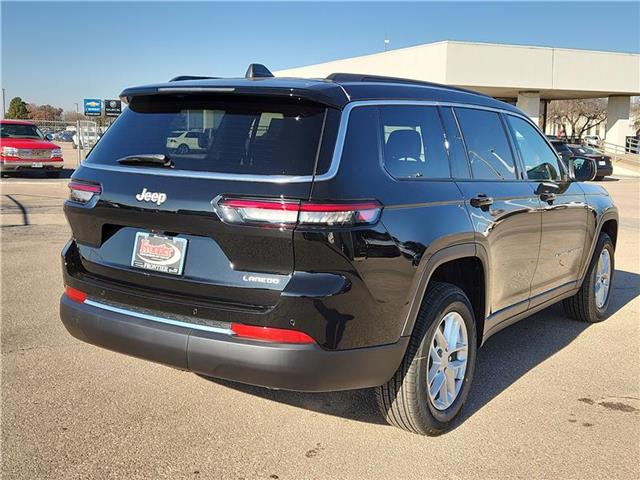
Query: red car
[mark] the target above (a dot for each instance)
(24, 147)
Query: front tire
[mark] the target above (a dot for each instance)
(591, 302)
(429, 388)
(182, 149)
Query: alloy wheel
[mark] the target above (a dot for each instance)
(603, 278)
(447, 363)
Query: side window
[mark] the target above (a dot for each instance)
(457, 154)
(540, 162)
(414, 142)
(487, 144)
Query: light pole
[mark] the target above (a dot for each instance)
(78, 133)
(4, 110)
(386, 44)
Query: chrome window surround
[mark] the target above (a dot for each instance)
(335, 160)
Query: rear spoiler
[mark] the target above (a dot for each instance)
(323, 93)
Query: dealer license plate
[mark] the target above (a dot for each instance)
(159, 253)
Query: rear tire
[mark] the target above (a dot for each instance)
(585, 305)
(405, 400)
(599, 178)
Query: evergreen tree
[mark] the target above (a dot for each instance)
(17, 109)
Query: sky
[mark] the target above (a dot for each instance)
(61, 52)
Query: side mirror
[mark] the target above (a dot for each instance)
(582, 169)
(49, 136)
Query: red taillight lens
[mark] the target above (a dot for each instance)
(287, 213)
(339, 214)
(270, 334)
(83, 192)
(75, 294)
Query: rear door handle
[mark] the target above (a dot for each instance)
(481, 200)
(547, 197)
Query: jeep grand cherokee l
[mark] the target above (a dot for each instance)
(337, 233)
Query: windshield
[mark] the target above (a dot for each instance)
(17, 130)
(242, 136)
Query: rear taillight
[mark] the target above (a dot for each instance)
(82, 192)
(269, 334)
(75, 294)
(287, 214)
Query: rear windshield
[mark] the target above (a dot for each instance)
(238, 136)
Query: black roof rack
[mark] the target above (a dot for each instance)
(182, 78)
(360, 77)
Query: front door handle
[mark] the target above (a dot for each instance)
(481, 200)
(548, 197)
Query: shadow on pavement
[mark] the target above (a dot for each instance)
(507, 356)
(64, 173)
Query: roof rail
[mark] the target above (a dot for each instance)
(181, 78)
(363, 77)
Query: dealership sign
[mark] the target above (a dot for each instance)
(112, 108)
(92, 107)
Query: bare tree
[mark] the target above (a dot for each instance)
(635, 114)
(581, 115)
(44, 112)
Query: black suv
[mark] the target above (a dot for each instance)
(334, 234)
(568, 151)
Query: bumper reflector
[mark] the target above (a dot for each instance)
(270, 334)
(75, 294)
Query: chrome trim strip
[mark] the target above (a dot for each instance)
(204, 175)
(154, 318)
(284, 179)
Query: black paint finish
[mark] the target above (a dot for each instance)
(345, 287)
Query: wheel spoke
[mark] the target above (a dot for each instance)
(432, 372)
(434, 355)
(451, 385)
(444, 390)
(436, 386)
(458, 368)
(441, 341)
(451, 330)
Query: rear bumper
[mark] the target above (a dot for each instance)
(307, 368)
(605, 170)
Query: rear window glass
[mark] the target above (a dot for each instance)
(239, 136)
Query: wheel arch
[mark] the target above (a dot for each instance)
(607, 223)
(452, 265)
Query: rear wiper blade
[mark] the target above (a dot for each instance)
(148, 159)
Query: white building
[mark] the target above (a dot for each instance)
(526, 75)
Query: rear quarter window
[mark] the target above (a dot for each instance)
(414, 142)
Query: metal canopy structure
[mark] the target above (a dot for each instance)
(524, 74)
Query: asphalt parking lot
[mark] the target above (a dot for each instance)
(552, 398)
